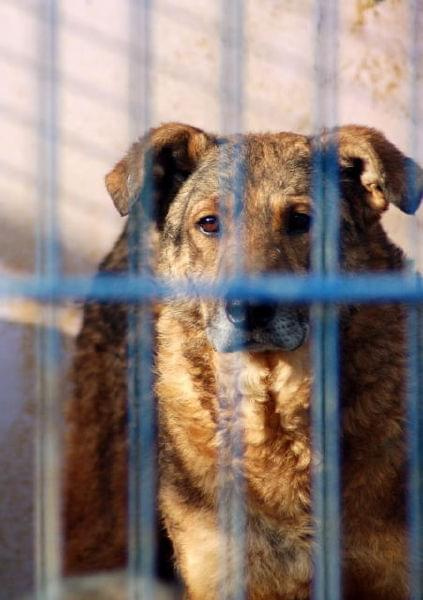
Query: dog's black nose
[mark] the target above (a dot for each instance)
(236, 311)
(246, 315)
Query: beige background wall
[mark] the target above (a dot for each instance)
(93, 93)
(94, 130)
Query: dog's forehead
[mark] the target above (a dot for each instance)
(280, 162)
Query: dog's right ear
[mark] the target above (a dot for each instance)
(170, 154)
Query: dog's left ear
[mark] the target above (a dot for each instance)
(386, 174)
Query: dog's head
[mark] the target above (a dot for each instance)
(245, 204)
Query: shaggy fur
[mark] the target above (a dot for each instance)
(199, 386)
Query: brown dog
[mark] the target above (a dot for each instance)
(211, 353)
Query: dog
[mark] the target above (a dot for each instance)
(220, 358)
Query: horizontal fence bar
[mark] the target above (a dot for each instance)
(366, 288)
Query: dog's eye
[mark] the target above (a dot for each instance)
(209, 225)
(298, 222)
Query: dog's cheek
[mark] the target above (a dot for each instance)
(356, 253)
(203, 264)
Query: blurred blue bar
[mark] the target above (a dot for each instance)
(47, 501)
(414, 333)
(343, 289)
(232, 66)
(142, 438)
(231, 501)
(325, 417)
(415, 450)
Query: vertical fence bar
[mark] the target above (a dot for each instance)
(232, 66)
(325, 405)
(48, 264)
(414, 336)
(231, 509)
(141, 409)
(415, 449)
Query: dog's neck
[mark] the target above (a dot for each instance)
(274, 387)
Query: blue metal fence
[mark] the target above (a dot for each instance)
(47, 543)
(324, 288)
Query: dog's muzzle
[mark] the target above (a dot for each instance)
(256, 327)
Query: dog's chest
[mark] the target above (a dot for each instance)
(280, 556)
(209, 402)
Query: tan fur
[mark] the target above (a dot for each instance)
(264, 397)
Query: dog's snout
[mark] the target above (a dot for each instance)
(249, 316)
